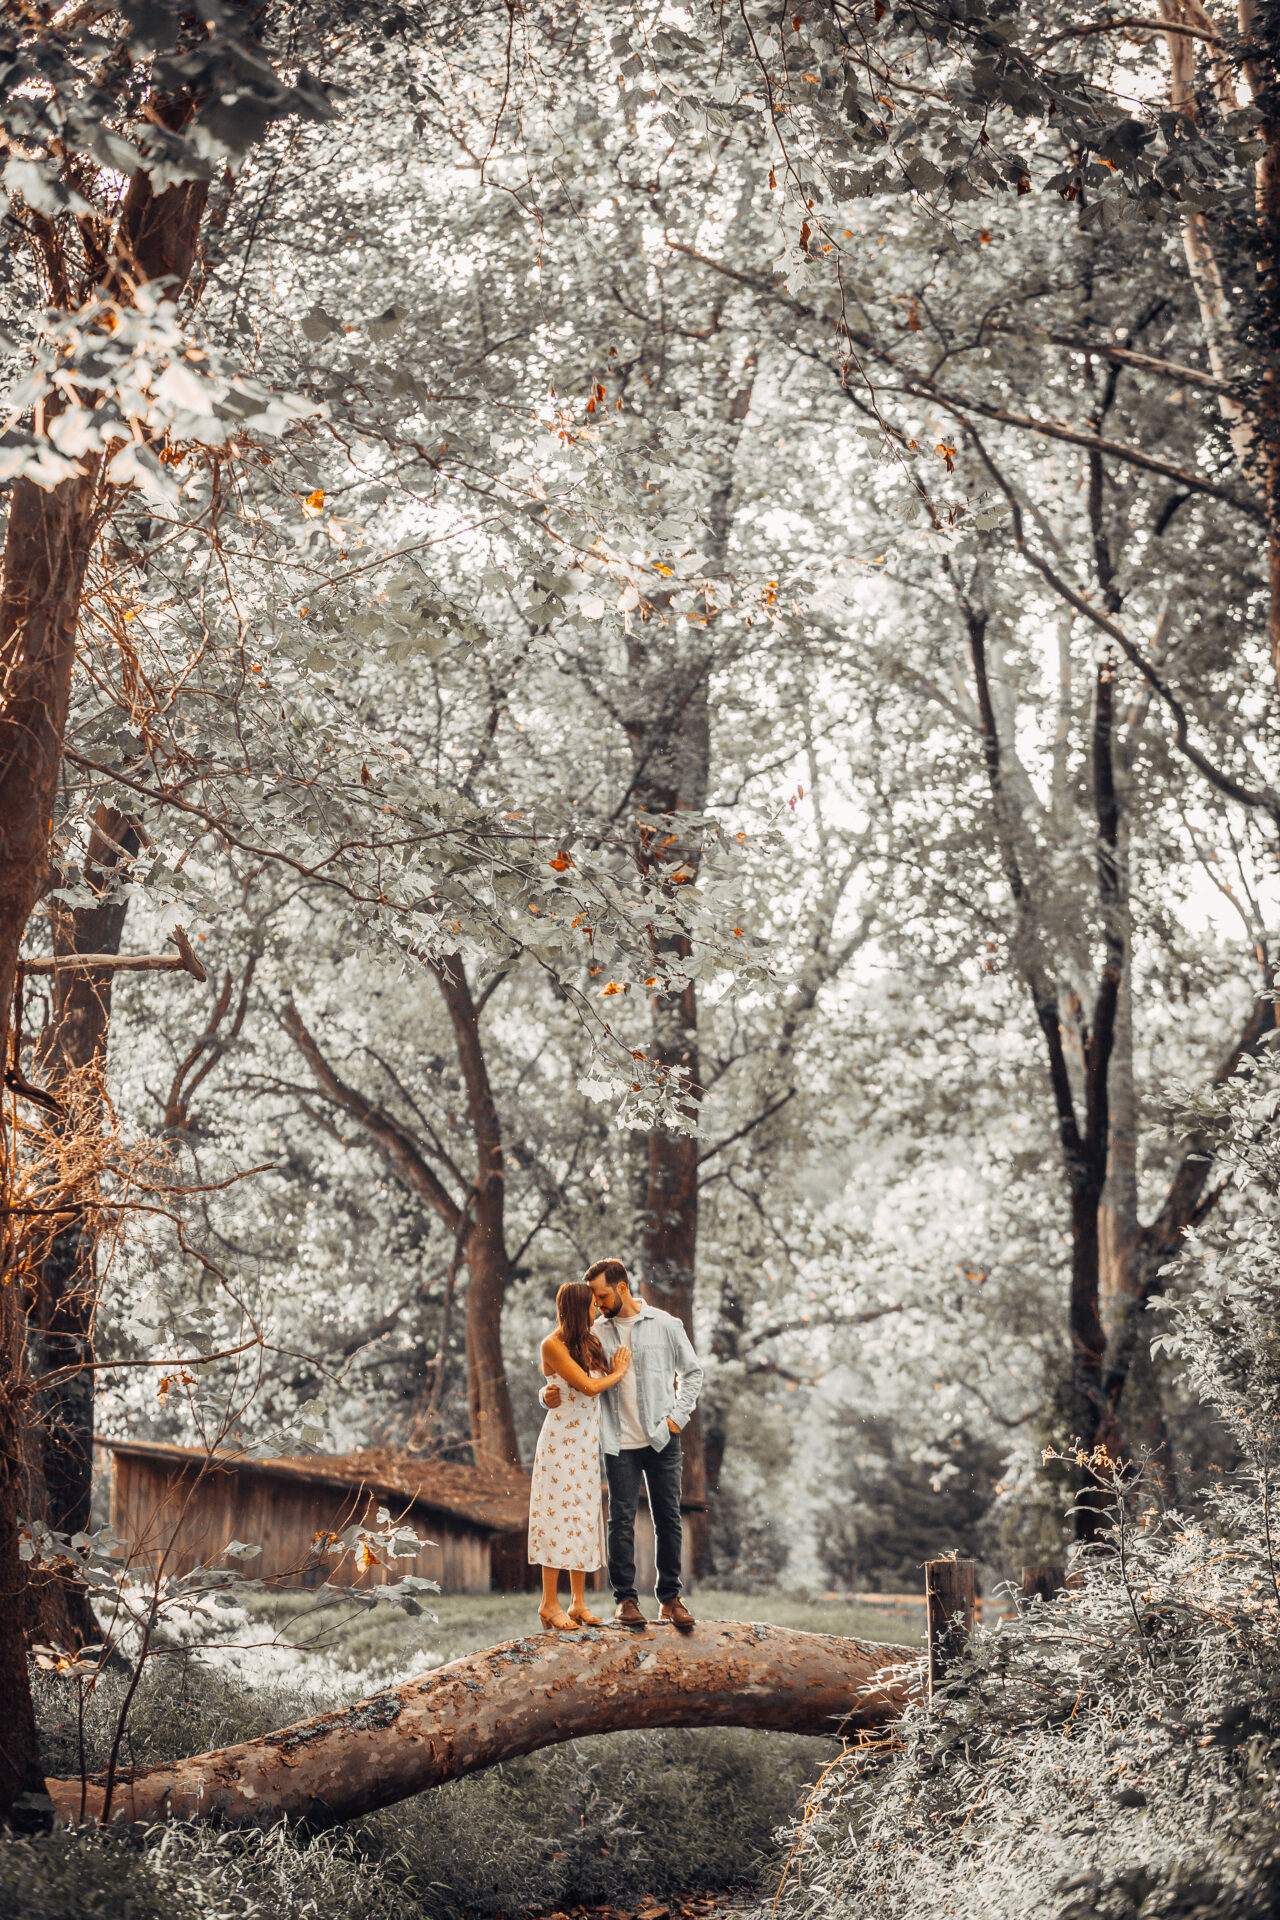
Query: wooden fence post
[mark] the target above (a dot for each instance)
(1042, 1582)
(1049, 1582)
(951, 1603)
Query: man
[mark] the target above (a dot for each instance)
(641, 1420)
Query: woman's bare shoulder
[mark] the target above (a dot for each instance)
(552, 1344)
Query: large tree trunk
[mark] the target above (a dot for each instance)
(71, 1061)
(671, 741)
(514, 1699)
(669, 728)
(45, 557)
(46, 553)
(493, 1427)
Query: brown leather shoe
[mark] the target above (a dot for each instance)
(678, 1614)
(628, 1614)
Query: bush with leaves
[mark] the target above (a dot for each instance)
(1117, 1750)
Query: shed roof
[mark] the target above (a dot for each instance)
(492, 1497)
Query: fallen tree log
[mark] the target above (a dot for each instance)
(510, 1700)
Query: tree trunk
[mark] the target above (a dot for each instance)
(71, 1061)
(1261, 30)
(515, 1699)
(493, 1427)
(669, 1238)
(671, 742)
(1118, 1228)
(1139, 1426)
(477, 1224)
(46, 553)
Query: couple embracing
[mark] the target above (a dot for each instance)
(622, 1376)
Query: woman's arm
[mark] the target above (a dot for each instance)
(556, 1358)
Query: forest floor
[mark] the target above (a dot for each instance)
(693, 1906)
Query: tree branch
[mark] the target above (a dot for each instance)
(394, 1139)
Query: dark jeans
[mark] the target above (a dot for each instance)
(661, 1474)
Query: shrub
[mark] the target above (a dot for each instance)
(1117, 1751)
(609, 1818)
(193, 1873)
(182, 1705)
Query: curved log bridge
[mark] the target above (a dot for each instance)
(511, 1700)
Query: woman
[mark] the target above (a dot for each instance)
(564, 1504)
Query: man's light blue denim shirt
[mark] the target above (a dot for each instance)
(668, 1376)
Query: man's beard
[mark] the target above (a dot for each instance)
(611, 1313)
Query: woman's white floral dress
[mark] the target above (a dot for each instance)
(566, 1527)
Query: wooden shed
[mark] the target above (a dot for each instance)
(185, 1506)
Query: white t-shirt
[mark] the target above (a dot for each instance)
(633, 1434)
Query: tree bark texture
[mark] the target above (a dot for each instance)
(515, 1699)
(71, 1062)
(493, 1426)
(670, 736)
(46, 554)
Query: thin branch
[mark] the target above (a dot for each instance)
(920, 387)
(749, 1127)
(810, 1324)
(1245, 796)
(394, 1139)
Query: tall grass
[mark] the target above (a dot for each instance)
(610, 1818)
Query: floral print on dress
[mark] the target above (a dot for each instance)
(566, 1526)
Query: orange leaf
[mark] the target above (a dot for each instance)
(613, 987)
(561, 863)
(314, 502)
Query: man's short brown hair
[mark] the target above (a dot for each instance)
(611, 1271)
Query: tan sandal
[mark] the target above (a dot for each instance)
(556, 1621)
(582, 1617)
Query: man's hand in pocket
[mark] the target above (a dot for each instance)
(671, 1423)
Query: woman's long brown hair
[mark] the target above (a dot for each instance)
(573, 1324)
